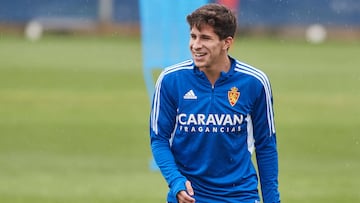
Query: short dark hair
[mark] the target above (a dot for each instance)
(221, 18)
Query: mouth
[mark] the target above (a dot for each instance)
(199, 55)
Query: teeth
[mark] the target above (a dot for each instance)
(197, 55)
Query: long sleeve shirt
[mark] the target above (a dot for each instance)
(207, 133)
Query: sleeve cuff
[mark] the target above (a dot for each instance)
(179, 185)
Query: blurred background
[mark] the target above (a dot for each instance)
(74, 104)
(340, 18)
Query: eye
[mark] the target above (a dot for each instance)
(205, 37)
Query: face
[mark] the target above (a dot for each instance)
(207, 50)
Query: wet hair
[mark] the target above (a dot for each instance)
(219, 17)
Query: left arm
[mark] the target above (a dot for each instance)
(265, 143)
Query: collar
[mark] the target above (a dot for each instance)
(223, 75)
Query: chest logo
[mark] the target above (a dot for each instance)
(233, 96)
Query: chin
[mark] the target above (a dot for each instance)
(199, 64)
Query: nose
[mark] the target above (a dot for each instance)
(196, 44)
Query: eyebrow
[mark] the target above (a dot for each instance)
(201, 35)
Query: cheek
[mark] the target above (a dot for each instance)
(216, 49)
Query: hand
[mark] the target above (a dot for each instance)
(186, 196)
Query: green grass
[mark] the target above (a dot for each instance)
(74, 119)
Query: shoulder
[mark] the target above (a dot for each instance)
(185, 65)
(172, 71)
(253, 72)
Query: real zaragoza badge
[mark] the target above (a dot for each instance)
(233, 95)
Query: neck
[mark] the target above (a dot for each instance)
(213, 72)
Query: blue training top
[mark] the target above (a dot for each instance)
(206, 134)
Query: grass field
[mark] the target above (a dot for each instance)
(74, 119)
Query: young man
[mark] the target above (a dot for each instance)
(208, 116)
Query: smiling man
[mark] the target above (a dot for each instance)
(208, 116)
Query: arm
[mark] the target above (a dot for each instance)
(266, 150)
(162, 124)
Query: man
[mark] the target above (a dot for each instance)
(208, 116)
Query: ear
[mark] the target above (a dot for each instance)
(228, 42)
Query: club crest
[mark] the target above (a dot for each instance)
(233, 96)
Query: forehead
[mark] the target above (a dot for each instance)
(203, 30)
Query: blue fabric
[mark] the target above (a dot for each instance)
(206, 134)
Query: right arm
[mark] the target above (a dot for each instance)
(162, 124)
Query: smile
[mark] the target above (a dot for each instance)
(199, 54)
